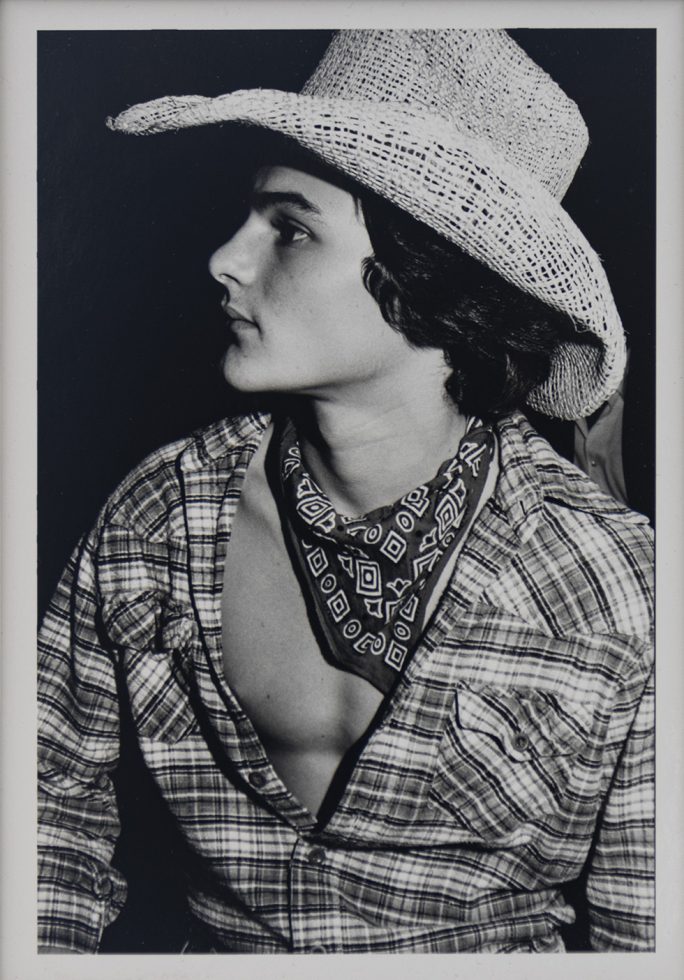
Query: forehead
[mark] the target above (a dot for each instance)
(325, 199)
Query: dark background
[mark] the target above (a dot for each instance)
(130, 331)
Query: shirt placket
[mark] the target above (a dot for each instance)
(314, 922)
(211, 495)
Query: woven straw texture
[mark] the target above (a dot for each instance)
(461, 129)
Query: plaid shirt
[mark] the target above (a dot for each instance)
(516, 747)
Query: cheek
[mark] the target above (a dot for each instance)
(321, 305)
(307, 293)
(336, 291)
(288, 289)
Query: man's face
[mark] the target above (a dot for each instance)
(301, 320)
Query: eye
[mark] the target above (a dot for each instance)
(289, 233)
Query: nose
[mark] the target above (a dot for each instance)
(234, 261)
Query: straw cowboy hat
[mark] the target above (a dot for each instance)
(466, 133)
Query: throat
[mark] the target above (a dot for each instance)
(379, 459)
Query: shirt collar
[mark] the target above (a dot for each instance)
(518, 490)
(518, 494)
(534, 475)
(223, 439)
(530, 471)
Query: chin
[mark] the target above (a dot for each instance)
(250, 374)
(243, 374)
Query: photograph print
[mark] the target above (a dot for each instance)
(346, 481)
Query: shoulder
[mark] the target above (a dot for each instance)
(587, 559)
(147, 499)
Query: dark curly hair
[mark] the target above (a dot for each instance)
(498, 340)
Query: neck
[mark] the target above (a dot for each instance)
(366, 455)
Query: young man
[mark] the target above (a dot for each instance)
(387, 655)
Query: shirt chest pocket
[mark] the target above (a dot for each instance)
(154, 638)
(506, 758)
(160, 695)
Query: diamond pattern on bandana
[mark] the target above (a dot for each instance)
(317, 561)
(448, 513)
(368, 581)
(395, 655)
(394, 546)
(312, 508)
(338, 605)
(417, 500)
(370, 577)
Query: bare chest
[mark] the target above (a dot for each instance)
(307, 712)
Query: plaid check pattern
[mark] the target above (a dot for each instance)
(517, 746)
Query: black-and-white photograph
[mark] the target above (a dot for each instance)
(346, 492)
(346, 448)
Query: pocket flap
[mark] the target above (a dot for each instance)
(148, 619)
(524, 722)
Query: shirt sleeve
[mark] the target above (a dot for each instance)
(79, 893)
(620, 883)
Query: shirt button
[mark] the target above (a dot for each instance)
(102, 887)
(318, 949)
(317, 855)
(521, 742)
(257, 779)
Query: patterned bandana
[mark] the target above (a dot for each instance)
(369, 579)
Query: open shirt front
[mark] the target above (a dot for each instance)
(519, 734)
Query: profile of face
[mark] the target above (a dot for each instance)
(300, 318)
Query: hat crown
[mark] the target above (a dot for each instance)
(479, 81)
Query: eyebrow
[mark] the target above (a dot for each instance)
(263, 199)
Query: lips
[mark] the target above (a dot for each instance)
(233, 313)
